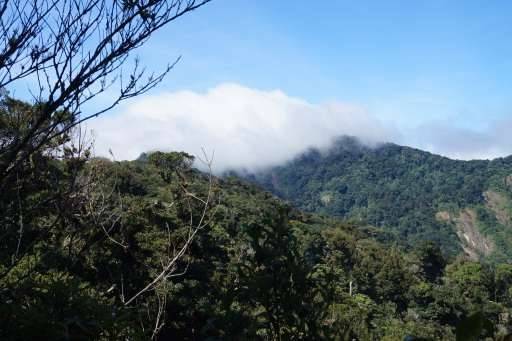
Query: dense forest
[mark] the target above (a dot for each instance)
(350, 243)
(416, 196)
(153, 248)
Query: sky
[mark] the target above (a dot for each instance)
(259, 81)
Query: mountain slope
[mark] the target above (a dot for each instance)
(258, 269)
(415, 194)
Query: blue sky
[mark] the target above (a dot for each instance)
(415, 60)
(436, 75)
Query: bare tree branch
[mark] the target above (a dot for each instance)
(170, 266)
(75, 50)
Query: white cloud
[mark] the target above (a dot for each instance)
(253, 129)
(246, 128)
(461, 143)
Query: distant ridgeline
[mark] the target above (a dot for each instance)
(462, 205)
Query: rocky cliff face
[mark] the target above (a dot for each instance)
(474, 244)
(499, 205)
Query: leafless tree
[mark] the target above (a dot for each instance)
(74, 50)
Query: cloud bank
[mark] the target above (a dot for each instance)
(246, 128)
(252, 129)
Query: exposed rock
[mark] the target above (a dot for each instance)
(443, 216)
(472, 241)
(497, 203)
(508, 181)
(326, 198)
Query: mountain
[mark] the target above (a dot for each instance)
(258, 269)
(96, 232)
(461, 205)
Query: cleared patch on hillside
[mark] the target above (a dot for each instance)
(443, 216)
(508, 181)
(474, 243)
(499, 205)
(326, 198)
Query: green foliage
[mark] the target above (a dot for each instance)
(81, 235)
(397, 188)
(431, 261)
(473, 327)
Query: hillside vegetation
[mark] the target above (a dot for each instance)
(417, 196)
(155, 249)
(259, 269)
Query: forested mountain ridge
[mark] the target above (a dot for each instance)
(156, 249)
(461, 205)
(258, 269)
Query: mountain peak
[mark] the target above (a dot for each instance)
(395, 187)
